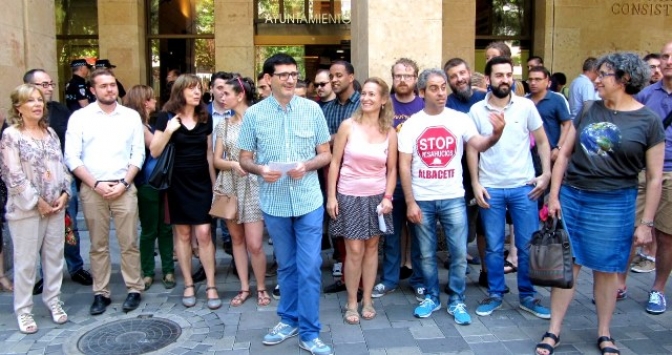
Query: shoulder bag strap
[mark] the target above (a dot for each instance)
(228, 156)
(667, 121)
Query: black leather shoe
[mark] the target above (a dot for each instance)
(483, 282)
(37, 289)
(199, 275)
(337, 286)
(132, 302)
(228, 247)
(100, 304)
(82, 277)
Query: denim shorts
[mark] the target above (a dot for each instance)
(600, 225)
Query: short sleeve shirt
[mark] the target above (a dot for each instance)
(553, 111)
(610, 149)
(335, 112)
(659, 101)
(286, 135)
(404, 110)
(77, 89)
(508, 163)
(436, 143)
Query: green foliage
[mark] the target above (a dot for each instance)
(297, 52)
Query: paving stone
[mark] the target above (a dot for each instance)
(388, 338)
(448, 345)
(345, 334)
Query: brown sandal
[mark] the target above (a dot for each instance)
(240, 298)
(263, 299)
(370, 310)
(5, 284)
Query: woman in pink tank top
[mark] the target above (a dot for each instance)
(362, 177)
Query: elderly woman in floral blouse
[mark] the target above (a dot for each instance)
(38, 187)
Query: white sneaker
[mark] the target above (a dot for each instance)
(337, 269)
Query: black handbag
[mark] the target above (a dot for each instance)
(551, 261)
(163, 171)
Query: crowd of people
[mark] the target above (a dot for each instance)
(335, 161)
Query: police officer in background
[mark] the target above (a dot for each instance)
(77, 93)
(105, 63)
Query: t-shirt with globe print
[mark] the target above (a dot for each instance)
(437, 144)
(404, 110)
(610, 149)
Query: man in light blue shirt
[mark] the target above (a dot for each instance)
(291, 130)
(582, 88)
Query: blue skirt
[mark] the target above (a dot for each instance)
(600, 226)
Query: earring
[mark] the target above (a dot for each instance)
(382, 106)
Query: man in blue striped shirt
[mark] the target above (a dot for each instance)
(291, 130)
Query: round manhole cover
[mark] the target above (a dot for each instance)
(130, 336)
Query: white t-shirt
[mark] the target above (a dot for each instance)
(437, 145)
(508, 163)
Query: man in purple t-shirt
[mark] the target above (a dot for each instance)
(658, 97)
(396, 248)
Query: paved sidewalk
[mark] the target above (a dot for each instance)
(239, 330)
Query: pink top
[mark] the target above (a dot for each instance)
(364, 165)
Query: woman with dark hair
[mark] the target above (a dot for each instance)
(38, 184)
(594, 188)
(150, 201)
(186, 123)
(362, 178)
(248, 228)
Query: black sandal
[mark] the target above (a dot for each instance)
(607, 349)
(550, 348)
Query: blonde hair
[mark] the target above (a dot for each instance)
(136, 98)
(386, 114)
(19, 96)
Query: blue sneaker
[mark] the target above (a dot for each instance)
(426, 308)
(656, 304)
(532, 305)
(280, 333)
(458, 310)
(316, 347)
(488, 306)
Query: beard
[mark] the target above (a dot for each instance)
(463, 95)
(501, 91)
(106, 101)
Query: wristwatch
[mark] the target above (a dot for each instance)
(647, 223)
(126, 185)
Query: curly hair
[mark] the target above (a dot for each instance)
(177, 100)
(19, 96)
(386, 114)
(629, 69)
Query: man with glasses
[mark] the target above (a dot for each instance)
(77, 93)
(58, 120)
(263, 87)
(658, 97)
(323, 87)
(653, 60)
(399, 247)
(552, 108)
(290, 130)
(342, 77)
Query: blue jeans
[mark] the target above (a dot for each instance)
(73, 258)
(452, 214)
(297, 242)
(226, 236)
(392, 245)
(525, 218)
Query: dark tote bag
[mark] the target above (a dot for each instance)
(551, 262)
(163, 171)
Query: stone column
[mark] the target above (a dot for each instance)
(28, 41)
(234, 36)
(459, 36)
(121, 39)
(383, 33)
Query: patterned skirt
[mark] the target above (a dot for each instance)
(357, 218)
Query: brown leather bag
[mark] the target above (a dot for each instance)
(224, 206)
(551, 260)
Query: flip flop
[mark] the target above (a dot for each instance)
(512, 268)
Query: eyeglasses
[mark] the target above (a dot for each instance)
(319, 85)
(603, 75)
(46, 84)
(400, 77)
(284, 76)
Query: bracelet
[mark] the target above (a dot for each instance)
(389, 197)
(647, 223)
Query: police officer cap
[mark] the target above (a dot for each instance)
(104, 63)
(78, 63)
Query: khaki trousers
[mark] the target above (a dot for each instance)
(30, 236)
(124, 211)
